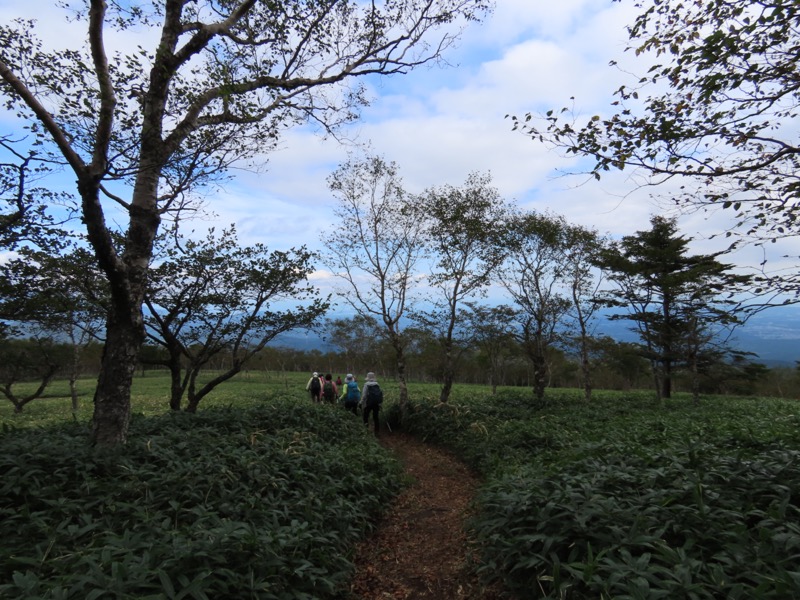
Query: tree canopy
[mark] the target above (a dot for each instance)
(718, 105)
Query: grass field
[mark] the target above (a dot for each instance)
(150, 396)
(622, 497)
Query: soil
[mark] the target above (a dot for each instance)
(420, 550)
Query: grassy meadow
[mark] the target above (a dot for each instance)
(263, 495)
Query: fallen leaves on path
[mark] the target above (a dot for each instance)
(419, 550)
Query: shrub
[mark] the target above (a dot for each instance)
(689, 524)
(264, 503)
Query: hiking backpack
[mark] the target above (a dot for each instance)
(315, 386)
(374, 395)
(328, 392)
(353, 394)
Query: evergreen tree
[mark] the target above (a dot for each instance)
(679, 303)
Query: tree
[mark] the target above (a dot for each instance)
(534, 277)
(735, 373)
(359, 338)
(49, 299)
(80, 297)
(464, 229)
(581, 248)
(721, 111)
(424, 353)
(213, 298)
(620, 364)
(377, 248)
(37, 358)
(673, 299)
(493, 329)
(141, 131)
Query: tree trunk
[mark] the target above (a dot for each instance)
(112, 398)
(666, 382)
(73, 376)
(539, 377)
(176, 382)
(401, 374)
(586, 370)
(19, 403)
(127, 276)
(73, 394)
(447, 386)
(194, 397)
(193, 403)
(403, 385)
(656, 379)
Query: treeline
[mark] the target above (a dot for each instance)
(616, 366)
(214, 308)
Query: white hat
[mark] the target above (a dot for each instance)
(349, 377)
(316, 374)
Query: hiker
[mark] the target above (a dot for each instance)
(338, 381)
(314, 386)
(371, 400)
(329, 391)
(350, 394)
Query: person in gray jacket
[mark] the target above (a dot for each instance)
(371, 400)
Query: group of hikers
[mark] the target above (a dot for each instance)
(369, 400)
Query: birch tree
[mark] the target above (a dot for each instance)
(464, 230)
(376, 248)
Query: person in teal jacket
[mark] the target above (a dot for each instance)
(351, 395)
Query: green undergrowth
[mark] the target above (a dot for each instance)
(262, 502)
(626, 497)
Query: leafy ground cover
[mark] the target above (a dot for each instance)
(264, 500)
(628, 498)
(619, 498)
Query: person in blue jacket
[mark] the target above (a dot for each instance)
(351, 395)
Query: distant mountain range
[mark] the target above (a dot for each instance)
(773, 335)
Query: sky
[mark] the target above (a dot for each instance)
(441, 123)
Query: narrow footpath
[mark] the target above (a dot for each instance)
(419, 550)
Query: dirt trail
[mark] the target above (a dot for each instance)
(419, 550)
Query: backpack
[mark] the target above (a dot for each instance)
(315, 386)
(374, 395)
(353, 394)
(327, 391)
